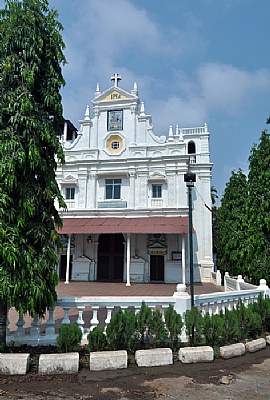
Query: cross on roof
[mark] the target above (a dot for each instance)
(116, 78)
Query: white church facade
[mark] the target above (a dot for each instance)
(127, 204)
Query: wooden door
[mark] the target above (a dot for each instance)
(156, 268)
(110, 257)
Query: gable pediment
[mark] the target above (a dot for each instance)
(114, 94)
(156, 177)
(69, 180)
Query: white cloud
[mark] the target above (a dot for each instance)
(229, 89)
(220, 88)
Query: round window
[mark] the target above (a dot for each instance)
(115, 145)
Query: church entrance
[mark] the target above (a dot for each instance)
(110, 264)
(156, 268)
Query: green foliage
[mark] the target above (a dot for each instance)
(262, 307)
(231, 225)
(69, 338)
(31, 122)
(97, 340)
(231, 330)
(121, 331)
(249, 321)
(258, 208)
(144, 319)
(213, 327)
(158, 333)
(194, 326)
(174, 326)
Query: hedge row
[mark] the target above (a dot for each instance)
(147, 329)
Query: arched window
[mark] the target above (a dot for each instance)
(191, 148)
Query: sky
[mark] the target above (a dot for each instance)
(194, 61)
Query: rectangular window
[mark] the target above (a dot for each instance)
(156, 191)
(70, 193)
(113, 188)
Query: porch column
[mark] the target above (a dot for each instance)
(68, 259)
(183, 260)
(128, 260)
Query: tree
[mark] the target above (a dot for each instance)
(31, 121)
(231, 221)
(258, 208)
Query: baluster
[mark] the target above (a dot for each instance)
(223, 306)
(210, 308)
(109, 310)
(229, 307)
(164, 307)
(80, 320)
(7, 323)
(34, 331)
(202, 307)
(66, 319)
(50, 326)
(20, 324)
(217, 307)
(94, 321)
(152, 307)
(137, 309)
(124, 308)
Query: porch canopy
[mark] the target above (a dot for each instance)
(169, 225)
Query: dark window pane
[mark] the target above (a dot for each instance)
(117, 191)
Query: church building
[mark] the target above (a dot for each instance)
(127, 203)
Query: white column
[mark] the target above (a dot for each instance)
(128, 260)
(183, 260)
(68, 259)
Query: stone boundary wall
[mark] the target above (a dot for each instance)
(68, 363)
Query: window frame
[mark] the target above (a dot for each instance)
(70, 193)
(156, 191)
(114, 185)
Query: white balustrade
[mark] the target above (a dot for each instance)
(66, 319)
(94, 321)
(50, 326)
(34, 331)
(104, 307)
(80, 320)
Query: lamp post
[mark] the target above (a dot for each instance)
(190, 178)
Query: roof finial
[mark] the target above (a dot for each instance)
(87, 114)
(116, 78)
(134, 91)
(142, 112)
(97, 92)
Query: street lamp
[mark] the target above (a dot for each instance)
(190, 178)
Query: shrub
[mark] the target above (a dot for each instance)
(121, 331)
(144, 320)
(174, 324)
(158, 335)
(97, 340)
(262, 307)
(194, 326)
(231, 330)
(213, 327)
(69, 338)
(248, 320)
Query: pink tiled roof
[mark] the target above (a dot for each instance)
(125, 225)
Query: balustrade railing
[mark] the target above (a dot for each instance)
(213, 304)
(90, 312)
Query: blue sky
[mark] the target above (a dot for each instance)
(195, 61)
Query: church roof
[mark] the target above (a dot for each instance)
(169, 225)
